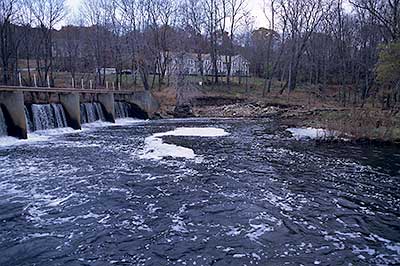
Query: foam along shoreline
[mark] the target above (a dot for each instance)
(156, 149)
(312, 133)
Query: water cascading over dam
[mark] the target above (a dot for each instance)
(45, 116)
(29, 123)
(3, 125)
(91, 112)
(122, 110)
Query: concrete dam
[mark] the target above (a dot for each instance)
(24, 110)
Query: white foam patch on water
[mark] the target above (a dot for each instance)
(37, 136)
(258, 230)
(156, 149)
(311, 133)
(45, 135)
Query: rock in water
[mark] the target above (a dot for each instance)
(183, 111)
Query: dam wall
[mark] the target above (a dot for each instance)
(107, 101)
(12, 105)
(71, 104)
(143, 100)
(19, 106)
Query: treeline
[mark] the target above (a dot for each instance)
(134, 34)
(352, 45)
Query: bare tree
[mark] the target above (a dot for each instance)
(212, 15)
(194, 22)
(47, 13)
(234, 12)
(97, 18)
(303, 17)
(8, 10)
(29, 40)
(130, 17)
(161, 14)
(387, 12)
(272, 37)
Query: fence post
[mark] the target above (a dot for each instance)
(72, 82)
(34, 80)
(20, 79)
(82, 84)
(48, 81)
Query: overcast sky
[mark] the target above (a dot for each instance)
(255, 6)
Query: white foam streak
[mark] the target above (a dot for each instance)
(118, 122)
(194, 132)
(96, 124)
(127, 121)
(45, 135)
(37, 136)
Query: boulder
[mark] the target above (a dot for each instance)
(183, 111)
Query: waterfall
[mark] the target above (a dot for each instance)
(28, 118)
(61, 119)
(99, 111)
(91, 112)
(122, 109)
(46, 116)
(3, 125)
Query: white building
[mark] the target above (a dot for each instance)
(191, 64)
(107, 70)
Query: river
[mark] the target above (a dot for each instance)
(239, 193)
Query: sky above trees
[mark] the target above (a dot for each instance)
(256, 7)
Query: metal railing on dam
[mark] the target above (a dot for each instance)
(13, 102)
(64, 89)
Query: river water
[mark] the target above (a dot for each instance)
(248, 195)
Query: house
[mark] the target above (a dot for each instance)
(194, 64)
(107, 70)
(239, 65)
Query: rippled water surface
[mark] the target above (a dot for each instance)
(251, 197)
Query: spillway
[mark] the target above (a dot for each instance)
(3, 125)
(122, 110)
(91, 112)
(45, 116)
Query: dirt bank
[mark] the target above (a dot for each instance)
(361, 124)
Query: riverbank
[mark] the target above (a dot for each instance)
(361, 124)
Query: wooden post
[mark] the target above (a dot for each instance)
(20, 79)
(48, 81)
(82, 84)
(34, 80)
(90, 84)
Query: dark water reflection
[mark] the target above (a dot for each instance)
(251, 198)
